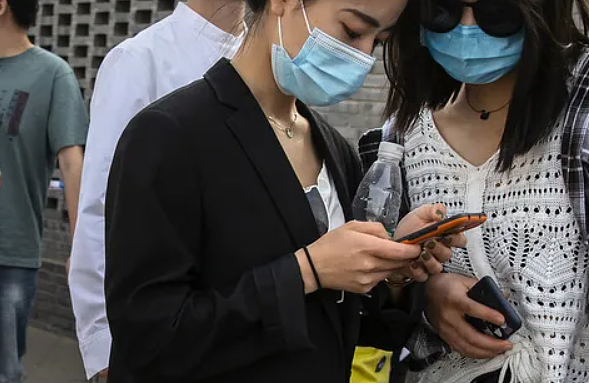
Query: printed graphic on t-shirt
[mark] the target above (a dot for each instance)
(11, 117)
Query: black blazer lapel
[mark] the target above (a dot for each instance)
(255, 135)
(258, 140)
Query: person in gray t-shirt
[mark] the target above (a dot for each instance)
(42, 120)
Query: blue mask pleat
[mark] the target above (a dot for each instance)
(326, 71)
(471, 56)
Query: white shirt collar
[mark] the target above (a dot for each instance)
(194, 25)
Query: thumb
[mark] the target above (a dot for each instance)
(432, 213)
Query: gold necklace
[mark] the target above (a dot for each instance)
(288, 130)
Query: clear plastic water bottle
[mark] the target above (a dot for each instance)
(379, 196)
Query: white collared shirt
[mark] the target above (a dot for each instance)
(166, 56)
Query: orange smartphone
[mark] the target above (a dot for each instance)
(453, 225)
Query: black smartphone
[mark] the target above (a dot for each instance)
(487, 292)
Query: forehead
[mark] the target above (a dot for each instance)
(385, 11)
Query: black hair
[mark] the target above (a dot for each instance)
(553, 45)
(256, 6)
(256, 9)
(24, 12)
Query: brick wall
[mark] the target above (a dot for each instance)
(82, 32)
(53, 307)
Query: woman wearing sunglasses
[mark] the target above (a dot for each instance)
(228, 256)
(490, 100)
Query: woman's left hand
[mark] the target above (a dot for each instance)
(436, 252)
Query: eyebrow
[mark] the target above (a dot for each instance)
(364, 17)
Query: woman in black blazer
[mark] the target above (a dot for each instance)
(217, 270)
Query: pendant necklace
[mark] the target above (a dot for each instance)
(485, 114)
(287, 130)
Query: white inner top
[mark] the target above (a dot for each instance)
(531, 245)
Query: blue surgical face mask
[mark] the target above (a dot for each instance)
(325, 72)
(471, 56)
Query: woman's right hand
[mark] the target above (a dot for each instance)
(354, 258)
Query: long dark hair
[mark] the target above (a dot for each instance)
(553, 45)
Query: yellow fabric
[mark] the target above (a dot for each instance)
(371, 366)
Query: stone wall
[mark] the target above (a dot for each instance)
(82, 32)
(52, 306)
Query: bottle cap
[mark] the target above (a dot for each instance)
(391, 151)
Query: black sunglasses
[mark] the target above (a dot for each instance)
(499, 18)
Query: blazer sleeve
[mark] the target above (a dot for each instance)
(166, 325)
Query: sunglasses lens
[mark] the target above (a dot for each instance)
(499, 18)
(440, 16)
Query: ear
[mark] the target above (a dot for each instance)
(3, 7)
(277, 7)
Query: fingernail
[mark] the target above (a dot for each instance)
(431, 245)
(426, 256)
(441, 214)
(415, 265)
(447, 241)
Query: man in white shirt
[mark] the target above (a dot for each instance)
(166, 56)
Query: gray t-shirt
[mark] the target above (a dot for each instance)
(41, 112)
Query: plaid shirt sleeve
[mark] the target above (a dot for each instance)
(575, 145)
(585, 160)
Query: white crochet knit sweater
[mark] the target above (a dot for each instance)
(531, 245)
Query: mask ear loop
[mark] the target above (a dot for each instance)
(306, 17)
(280, 38)
(280, 32)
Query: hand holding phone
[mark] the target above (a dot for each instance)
(448, 305)
(487, 292)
